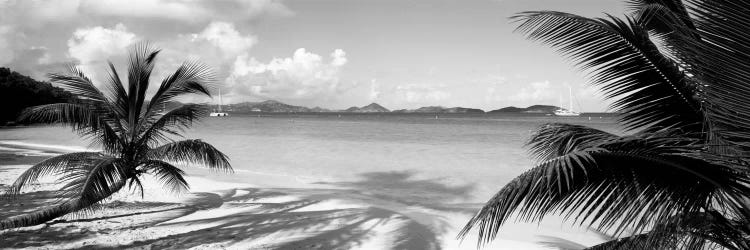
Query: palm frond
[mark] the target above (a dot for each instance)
(699, 230)
(53, 166)
(624, 62)
(102, 180)
(141, 64)
(118, 95)
(616, 189)
(558, 139)
(553, 140)
(170, 176)
(719, 59)
(136, 184)
(85, 120)
(77, 83)
(651, 12)
(193, 152)
(171, 123)
(90, 185)
(190, 78)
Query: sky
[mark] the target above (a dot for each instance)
(327, 53)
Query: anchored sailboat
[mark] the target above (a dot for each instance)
(218, 112)
(569, 111)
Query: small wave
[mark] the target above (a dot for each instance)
(45, 148)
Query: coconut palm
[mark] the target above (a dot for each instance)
(678, 72)
(136, 136)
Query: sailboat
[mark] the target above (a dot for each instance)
(218, 112)
(569, 111)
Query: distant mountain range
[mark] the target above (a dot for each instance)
(269, 106)
(542, 109)
(272, 106)
(439, 109)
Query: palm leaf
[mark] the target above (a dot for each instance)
(141, 64)
(553, 140)
(86, 119)
(170, 176)
(650, 89)
(190, 78)
(615, 189)
(700, 230)
(52, 166)
(117, 91)
(719, 59)
(171, 123)
(194, 152)
(77, 83)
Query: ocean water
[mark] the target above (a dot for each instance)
(468, 156)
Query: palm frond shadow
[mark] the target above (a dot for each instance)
(401, 186)
(31, 201)
(325, 229)
(256, 213)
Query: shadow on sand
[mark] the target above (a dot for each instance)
(400, 186)
(275, 218)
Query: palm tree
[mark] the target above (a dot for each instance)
(679, 72)
(136, 138)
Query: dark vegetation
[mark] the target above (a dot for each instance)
(18, 92)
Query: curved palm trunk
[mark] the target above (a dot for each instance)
(57, 211)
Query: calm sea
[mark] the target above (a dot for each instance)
(474, 153)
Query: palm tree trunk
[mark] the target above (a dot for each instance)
(56, 211)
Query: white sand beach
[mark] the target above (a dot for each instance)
(226, 215)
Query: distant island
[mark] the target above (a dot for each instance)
(439, 109)
(539, 109)
(272, 106)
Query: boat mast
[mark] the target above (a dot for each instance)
(570, 98)
(220, 101)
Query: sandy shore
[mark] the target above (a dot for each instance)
(233, 215)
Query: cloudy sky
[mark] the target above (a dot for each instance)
(328, 53)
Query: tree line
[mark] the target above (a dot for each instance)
(18, 92)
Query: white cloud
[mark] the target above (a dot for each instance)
(535, 91)
(374, 90)
(39, 11)
(185, 10)
(6, 51)
(305, 75)
(38, 14)
(180, 10)
(89, 45)
(224, 36)
(420, 93)
(339, 57)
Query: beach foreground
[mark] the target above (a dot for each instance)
(226, 215)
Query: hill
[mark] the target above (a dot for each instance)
(542, 109)
(269, 106)
(18, 92)
(371, 108)
(440, 109)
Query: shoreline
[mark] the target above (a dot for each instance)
(231, 215)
